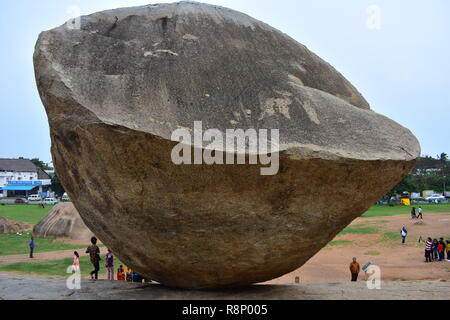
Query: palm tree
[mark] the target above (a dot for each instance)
(443, 158)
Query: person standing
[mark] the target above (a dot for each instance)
(94, 254)
(434, 250)
(110, 265)
(31, 245)
(428, 252)
(419, 211)
(441, 249)
(354, 269)
(76, 261)
(413, 213)
(403, 233)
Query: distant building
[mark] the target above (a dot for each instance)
(21, 177)
(427, 171)
(415, 195)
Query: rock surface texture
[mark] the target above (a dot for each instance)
(21, 287)
(11, 226)
(63, 221)
(116, 88)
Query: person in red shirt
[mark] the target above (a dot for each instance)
(121, 273)
(440, 249)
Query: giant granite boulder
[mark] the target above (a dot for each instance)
(10, 226)
(116, 89)
(63, 221)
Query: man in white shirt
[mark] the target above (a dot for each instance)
(420, 213)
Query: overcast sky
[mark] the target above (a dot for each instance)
(396, 53)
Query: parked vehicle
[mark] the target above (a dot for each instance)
(34, 197)
(65, 198)
(50, 201)
(21, 201)
(435, 198)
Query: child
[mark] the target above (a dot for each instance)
(434, 249)
(128, 274)
(121, 273)
(110, 265)
(136, 277)
(440, 249)
(76, 261)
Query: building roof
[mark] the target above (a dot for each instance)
(19, 165)
(22, 165)
(42, 175)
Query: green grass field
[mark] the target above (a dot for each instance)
(33, 213)
(383, 211)
(26, 213)
(57, 267)
(372, 253)
(359, 229)
(18, 244)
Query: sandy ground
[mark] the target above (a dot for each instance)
(330, 265)
(397, 262)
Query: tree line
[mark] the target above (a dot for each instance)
(56, 184)
(430, 173)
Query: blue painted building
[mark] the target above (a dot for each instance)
(21, 177)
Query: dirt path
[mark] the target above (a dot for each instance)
(40, 256)
(51, 255)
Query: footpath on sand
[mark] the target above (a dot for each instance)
(39, 256)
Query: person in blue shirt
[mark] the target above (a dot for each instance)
(31, 245)
(135, 277)
(403, 233)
